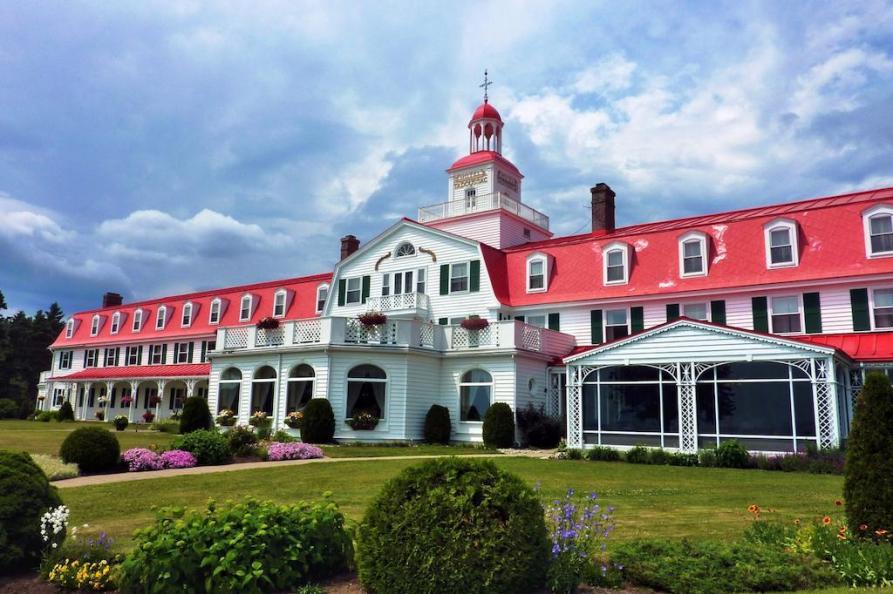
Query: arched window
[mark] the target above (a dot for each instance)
(137, 321)
(537, 273)
(404, 249)
(878, 223)
(245, 307)
(781, 243)
(322, 295)
(229, 387)
(366, 391)
(94, 325)
(279, 303)
(116, 322)
(69, 328)
(693, 254)
(615, 258)
(214, 314)
(475, 395)
(186, 320)
(300, 387)
(161, 318)
(263, 387)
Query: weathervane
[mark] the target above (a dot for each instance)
(485, 84)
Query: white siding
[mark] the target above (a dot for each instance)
(501, 368)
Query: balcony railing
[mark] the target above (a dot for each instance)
(483, 203)
(413, 302)
(508, 335)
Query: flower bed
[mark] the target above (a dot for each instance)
(277, 451)
(141, 459)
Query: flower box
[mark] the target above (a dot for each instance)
(268, 324)
(475, 323)
(372, 318)
(226, 418)
(260, 419)
(294, 420)
(363, 421)
(148, 416)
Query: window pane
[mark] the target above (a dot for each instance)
(476, 376)
(615, 258)
(752, 370)
(615, 273)
(629, 373)
(262, 397)
(590, 408)
(630, 407)
(615, 332)
(671, 409)
(803, 409)
(302, 371)
(881, 224)
(366, 397)
(695, 311)
(691, 249)
(366, 372)
(883, 317)
(758, 408)
(883, 298)
(706, 408)
(786, 323)
(536, 282)
(228, 396)
(615, 317)
(779, 237)
(231, 374)
(882, 243)
(785, 305)
(781, 255)
(536, 267)
(474, 402)
(299, 394)
(539, 321)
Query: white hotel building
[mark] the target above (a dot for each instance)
(756, 324)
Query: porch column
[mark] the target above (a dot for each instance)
(134, 386)
(574, 407)
(190, 387)
(109, 386)
(686, 376)
(47, 403)
(824, 393)
(161, 384)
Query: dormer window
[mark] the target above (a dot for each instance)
(616, 264)
(537, 271)
(279, 304)
(781, 244)
(214, 314)
(186, 319)
(94, 325)
(322, 294)
(693, 254)
(245, 308)
(161, 318)
(404, 249)
(137, 320)
(69, 328)
(878, 223)
(116, 322)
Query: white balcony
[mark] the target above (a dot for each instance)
(484, 203)
(407, 305)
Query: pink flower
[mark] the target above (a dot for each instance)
(140, 459)
(178, 459)
(277, 451)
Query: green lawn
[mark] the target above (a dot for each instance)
(371, 451)
(45, 438)
(654, 501)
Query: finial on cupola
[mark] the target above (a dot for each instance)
(485, 84)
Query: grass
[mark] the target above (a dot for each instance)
(652, 501)
(45, 438)
(370, 451)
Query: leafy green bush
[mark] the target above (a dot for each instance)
(54, 468)
(8, 409)
(241, 441)
(319, 422)
(538, 429)
(453, 525)
(683, 459)
(867, 487)
(437, 424)
(195, 415)
(638, 455)
(659, 456)
(731, 454)
(167, 426)
(25, 494)
(282, 437)
(208, 446)
(499, 426)
(602, 454)
(93, 449)
(707, 457)
(45, 416)
(706, 567)
(65, 412)
(250, 547)
(574, 454)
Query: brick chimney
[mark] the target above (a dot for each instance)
(112, 299)
(349, 244)
(602, 208)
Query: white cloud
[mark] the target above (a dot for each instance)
(612, 73)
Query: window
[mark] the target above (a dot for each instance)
(458, 277)
(279, 304)
(386, 285)
(616, 262)
(538, 320)
(300, 388)
(421, 275)
(186, 319)
(262, 388)
(616, 324)
(402, 282)
(161, 318)
(116, 322)
(470, 199)
(228, 389)
(91, 357)
(183, 352)
(781, 244)
(536, 274)
(693, 254)
(134, 355)
(695, 311)
(69, 328)
(322, 295)
(65, 359)
(137, 321)
(880, 230)
(366, 391)
(475, 395)
(177, 397)
(214, 314)
(111, 357)
(786, 314)
(94, 325)
(404, 249)
(883, 308)
(157, 354)
(354, 291)
(245, 308)
(207, 346)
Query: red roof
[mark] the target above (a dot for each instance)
(830, 238)
(485, 110)
(187, 370)
(867, 346)
(482, 157)
(300, 304)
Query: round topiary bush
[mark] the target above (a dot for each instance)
(319, 422)
(499, 426)
(437, 424)
(453, 525)
(209, 446)
(93, 449)
(196, 415)
(66, 413)
(731, 454)
(25, 495)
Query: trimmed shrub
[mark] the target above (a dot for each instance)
(241, 441)
(682, 459)
(8, 409)
(45, 416)
(93, 449)
(538, 429)
(731, 454)
(25, 494)
(453, 525)
(319, 422)
(868, 487)
(65, 412)
(638, 455)
(602, 454)
(121, 422)
(437, 425)
(659, 456)
(707, 457)
(499, 426)
(195, 415)
(282, 437)
(249, 547)
(207, 445)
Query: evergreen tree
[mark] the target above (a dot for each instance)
(868, 480)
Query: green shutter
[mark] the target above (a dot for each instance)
(443, 321)
(444, 279)
(519, 318)
(191, 351)
(367, 284)
(595, 326)
(342, 291)
(812, 313)
(672, 311)
(760, 307)
(859, 304)
(637, 318)
(474, 276)
(163, 354)
(554, 322)
(718, 311)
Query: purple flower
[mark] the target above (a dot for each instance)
(277, 451)
(178, 459)
(139, 459)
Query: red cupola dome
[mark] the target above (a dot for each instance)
(485, 110)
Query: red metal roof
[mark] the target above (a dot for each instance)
(481, 157)
(864, 346)
(485, 110)
(138, 371)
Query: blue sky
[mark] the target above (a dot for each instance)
(152, 148)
